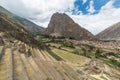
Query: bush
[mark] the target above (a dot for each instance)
(77, 51)
(71, 38)
(117, 55)
(60, 37)
(110, 54)
(98, 53)
(113, 61)
(84, 51)
(59, 47)
(91, 47)
(68, 45)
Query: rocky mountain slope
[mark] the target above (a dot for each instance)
(28, 25)
(21, 59)
(11, 30)
(111, 33)
(63, 25)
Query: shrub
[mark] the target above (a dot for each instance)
(110, 54)
(71, 38)
(68, 45)
(60, 37)
(91, 47)
(77, 51)
(84, 51)
(98, 53)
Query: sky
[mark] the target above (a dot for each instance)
(94, 15)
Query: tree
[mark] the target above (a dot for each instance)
(98, 53)
(71, 38)
(84, 51)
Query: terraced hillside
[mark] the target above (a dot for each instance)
(33, 63)
(90, 62)
(17, 65)
(23, 58)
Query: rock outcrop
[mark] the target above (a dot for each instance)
(63, 25)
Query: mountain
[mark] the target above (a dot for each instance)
(62, 25)
(111, 33)
(11, 30)
(28, 25)
(22, 58)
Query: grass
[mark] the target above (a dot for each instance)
(103, 78)
(68, 49)
(110, 62)
(54, 55)
(69, 56)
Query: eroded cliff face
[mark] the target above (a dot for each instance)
(62, 25)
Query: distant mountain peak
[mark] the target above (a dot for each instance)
(60, 14)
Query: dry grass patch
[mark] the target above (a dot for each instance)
(69, 56)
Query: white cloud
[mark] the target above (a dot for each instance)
(40, 11)
(15, 6)
(91, 8)
(107, 16)
(84, 1)
(45, 8)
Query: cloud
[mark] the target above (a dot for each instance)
(84, 1)
(91, 8)
(40, 12)
(107, 16)
(15, 6)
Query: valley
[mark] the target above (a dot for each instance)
(88, 58)
(62, 51)
(41, 64)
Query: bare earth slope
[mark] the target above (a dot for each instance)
(22, 59)
(11, 30)
(111, 33)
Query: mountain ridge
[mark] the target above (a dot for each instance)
(10, 31)
(28, 25)
(110, 33)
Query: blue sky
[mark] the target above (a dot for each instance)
(94, 15)
(117, 3)
(84, 6)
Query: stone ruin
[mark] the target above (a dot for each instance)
(23, 49)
